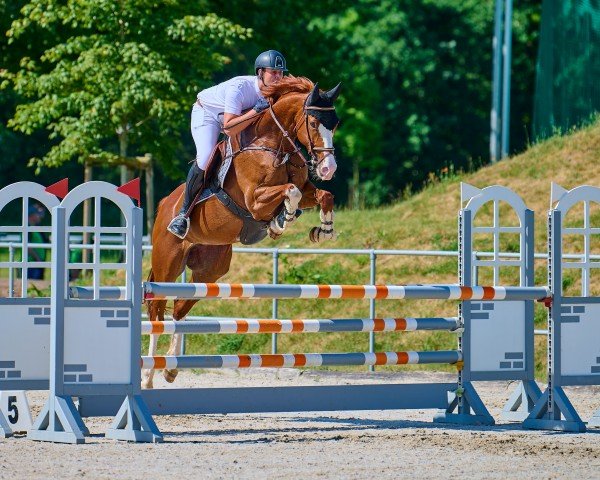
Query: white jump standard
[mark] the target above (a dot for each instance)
(24, 321)
(573, 321)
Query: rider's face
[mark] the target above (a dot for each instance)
(271, 76)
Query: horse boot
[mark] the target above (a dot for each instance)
(278, 224)
(180, 225)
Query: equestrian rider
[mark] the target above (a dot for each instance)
(220, 108)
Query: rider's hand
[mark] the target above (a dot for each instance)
(261, 104)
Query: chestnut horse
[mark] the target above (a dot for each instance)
(269, 179)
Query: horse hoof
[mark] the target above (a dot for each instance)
(274, 235)
(170, 375)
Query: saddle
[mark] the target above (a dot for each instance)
(253, 231)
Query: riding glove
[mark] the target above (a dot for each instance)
(261, 104)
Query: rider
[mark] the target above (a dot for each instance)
(220, 108)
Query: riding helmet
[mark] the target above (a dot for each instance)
(270, 59)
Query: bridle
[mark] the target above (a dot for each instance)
(313, 151)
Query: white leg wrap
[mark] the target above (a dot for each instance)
(325, 231)
(290, 203)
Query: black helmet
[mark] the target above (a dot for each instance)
(270, 59)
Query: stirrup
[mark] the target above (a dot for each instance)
(177, 229)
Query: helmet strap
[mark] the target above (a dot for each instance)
(261, 76)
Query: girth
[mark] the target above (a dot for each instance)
(253, 231)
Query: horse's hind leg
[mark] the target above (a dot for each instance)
(168, 258)
(156, 312)
(208, 263)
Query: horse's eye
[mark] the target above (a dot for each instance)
(313, 124)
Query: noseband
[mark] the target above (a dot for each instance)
(312, 150)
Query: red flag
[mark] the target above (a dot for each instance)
(60, 189)
(131, 189)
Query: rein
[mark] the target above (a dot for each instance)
(287, 136)
(312, 149)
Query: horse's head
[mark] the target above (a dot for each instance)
(309, 116)
(320, 122)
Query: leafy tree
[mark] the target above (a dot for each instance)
(417, 87)
(117, 77)
(16, 148)
(407, 91)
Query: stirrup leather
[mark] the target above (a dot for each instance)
(172, 227)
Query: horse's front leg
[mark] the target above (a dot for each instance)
(268, 199)
(312, 196)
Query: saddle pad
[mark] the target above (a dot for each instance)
(226, 163)
(221, 174)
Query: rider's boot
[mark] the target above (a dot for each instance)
(180, 225)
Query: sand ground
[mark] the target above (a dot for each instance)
(385, 444)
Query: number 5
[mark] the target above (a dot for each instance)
(13, 417)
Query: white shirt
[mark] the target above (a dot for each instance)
(233, 96)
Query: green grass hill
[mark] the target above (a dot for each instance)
(425, 221)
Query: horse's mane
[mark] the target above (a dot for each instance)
(287, 85)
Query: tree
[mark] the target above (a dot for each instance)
(117, 77)
(17, 148)
(417, 87)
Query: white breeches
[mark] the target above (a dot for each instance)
(205, 131)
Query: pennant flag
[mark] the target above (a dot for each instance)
(60, 189)
(467, 192)
(131, 189)
(556, 193)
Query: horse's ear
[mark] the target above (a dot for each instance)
(314, 95)
(333, 93)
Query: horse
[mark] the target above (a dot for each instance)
(268, 182)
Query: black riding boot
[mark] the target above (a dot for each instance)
(180, 225)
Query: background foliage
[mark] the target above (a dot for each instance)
(110, 80)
